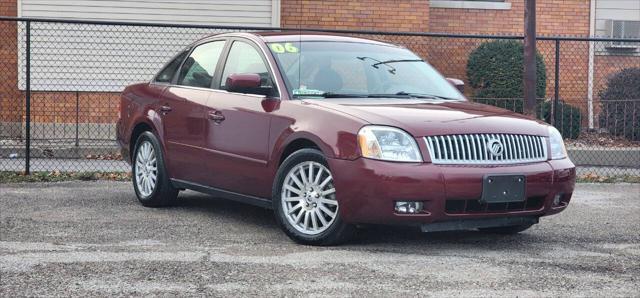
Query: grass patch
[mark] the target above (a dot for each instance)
(57, 176)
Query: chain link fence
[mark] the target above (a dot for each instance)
(60, 83)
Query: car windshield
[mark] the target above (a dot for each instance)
(324, 69)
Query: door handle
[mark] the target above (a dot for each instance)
(216, 117)
(165, 109)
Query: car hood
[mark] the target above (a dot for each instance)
(435, 117)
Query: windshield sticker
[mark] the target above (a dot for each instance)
(287, 47)
(304, 91)
(290, 48)
(278, 48)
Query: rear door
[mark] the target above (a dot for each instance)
(237, 146)
(183, 112)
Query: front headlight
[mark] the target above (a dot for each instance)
(558, 151)
(388, 143)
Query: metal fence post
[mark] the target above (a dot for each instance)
(77, 117)
(529, 71)
(27, 160)
(556, 87)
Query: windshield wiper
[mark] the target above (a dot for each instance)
(395, 61)
(400, 94)
(386, 63)
(332, 95)
(423, 95)
(391, 69)
(403, 94)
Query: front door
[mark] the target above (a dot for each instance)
(237, 136)
(183, 112)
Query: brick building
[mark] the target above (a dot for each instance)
(583, 71)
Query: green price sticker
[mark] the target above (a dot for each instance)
(290, 48)
(278, 48)
(286, 48)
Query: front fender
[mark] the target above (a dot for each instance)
(333, 132)
(326, 148)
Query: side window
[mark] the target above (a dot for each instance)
(198, 69)
(243, 58)
(166, 74)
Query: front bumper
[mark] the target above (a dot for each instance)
(367, 190)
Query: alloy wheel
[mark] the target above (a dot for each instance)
(146, 169)
(308, 198)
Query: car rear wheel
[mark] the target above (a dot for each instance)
(150, 180)
(304, 200)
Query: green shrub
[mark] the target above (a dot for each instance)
(620, 103)
(569, 118)
(495, 72)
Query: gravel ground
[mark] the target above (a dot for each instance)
(94, 239)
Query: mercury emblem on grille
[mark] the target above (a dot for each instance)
(495, 147)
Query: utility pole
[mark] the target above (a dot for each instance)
(529, 74)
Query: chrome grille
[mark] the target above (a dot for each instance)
(486, 149)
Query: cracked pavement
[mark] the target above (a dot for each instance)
(95, 239)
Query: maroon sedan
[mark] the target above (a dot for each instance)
(332, 132)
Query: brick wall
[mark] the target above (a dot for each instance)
(554, 17)
(406, 15)
(8, 8)
(60, 107)
(11, 99)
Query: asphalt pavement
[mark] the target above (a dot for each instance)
(94, 239)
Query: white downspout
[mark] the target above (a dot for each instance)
(275, 13)
(592, 31)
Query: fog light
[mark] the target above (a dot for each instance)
(410, 207)
(556, 199)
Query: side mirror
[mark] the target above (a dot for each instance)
(270, 104)
(459, 84)
(246, 83)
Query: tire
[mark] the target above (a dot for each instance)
(158, 193)
(316, 220)
(510, 230)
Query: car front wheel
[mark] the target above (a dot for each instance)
(304, 199)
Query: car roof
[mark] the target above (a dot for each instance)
(293, 36)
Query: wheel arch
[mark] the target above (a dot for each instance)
(295, 145)
(138, 129)
(300, 140)
(149, 122)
